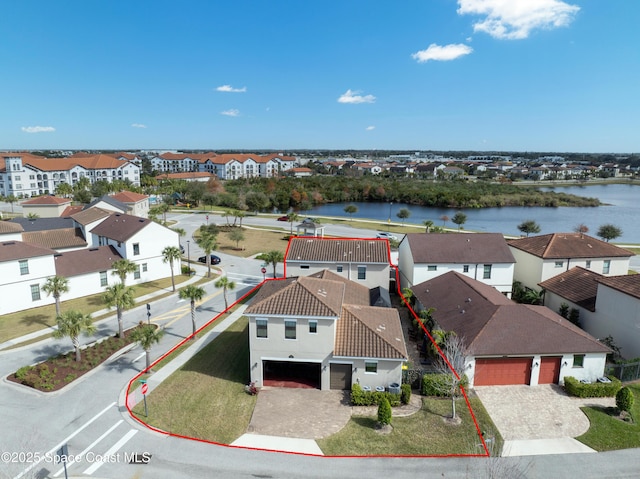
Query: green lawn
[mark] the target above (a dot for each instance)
(609, 433)
(424, 433)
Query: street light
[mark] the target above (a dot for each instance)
(389, 221)
(189, 257)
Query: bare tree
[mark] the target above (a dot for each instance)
(451, 364)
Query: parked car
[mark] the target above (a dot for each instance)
(214, 259)
(283, 218)
(310, 220)
(388, 236)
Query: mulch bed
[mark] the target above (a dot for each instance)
(59, 371)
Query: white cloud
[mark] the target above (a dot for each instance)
(230, 89)
(354, 97)
(231, 112)
(369, 128)
(516, 19)
(138, 125)
(38, 129)
(442, 53)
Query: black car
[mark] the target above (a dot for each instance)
(214, 259)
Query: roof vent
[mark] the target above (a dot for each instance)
(93, 249)
(468, 300)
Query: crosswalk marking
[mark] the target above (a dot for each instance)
(96, 465)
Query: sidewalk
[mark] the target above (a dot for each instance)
(201, 271)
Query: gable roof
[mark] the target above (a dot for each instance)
(493, 325)
(90, 162)
(71, 210)
(90, 214)
(325, 250)
(578, 285)
(73, 263)
(56, 239)
(459, 248)
(628, 284)
(46, 200)
(129, 197)
(110, 201)
(9, 227)
(120, 227)
(12, 250)
(568, 245)
(354, 293)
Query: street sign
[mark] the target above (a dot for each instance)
(263, 270)
(144, 388)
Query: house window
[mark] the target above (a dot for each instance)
(136, 249)
(371, 367)
(588, 264)
(144, 267)
(304, 266)
(136, 273)
(35, 292)
(465, 268)
(24, 267)
(362, 272)
(606, 266)
(103, 278)
(261, 328)
(578, 360)
(432, 267)
(339, 268)
(289, 329)
(313, 327)
(486, 274)
(559, 264)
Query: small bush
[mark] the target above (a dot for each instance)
(23, 372)
(438, 384)
(70, 377)
(405, 394)
(592, 390)
(384, 412)
(359, 397)
(624, 399)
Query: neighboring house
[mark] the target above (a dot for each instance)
(363, 261)
(138, 204)
(509, 343)
(89, 218)
(300, 172)
(10, 231)
(110, 203)
(139, 240)
(482, 256)
(62, 239)
(322, 332)
(608, 305)
(539, 258)
(45, 206)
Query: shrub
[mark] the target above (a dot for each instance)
(359, 397)
(624, 399)
(70, 377)
(591, 390)
(405, 394)
(384, 412)
(438, 384)
(23, 372)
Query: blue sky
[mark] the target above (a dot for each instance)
(517, 75)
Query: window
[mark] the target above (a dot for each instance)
(289, 329)
(136, 249)
(371, 367)
(578, 360)
(261, 328)
(339, 268)
(136, 273)
(35, 292)
(559, 264)
(606, 266)
(103, 278)
(24, 266)
(313, 327)
(362, 272)
(486, 274)
(144, 267)
(588, 264)
(432, 267)
(465, 268)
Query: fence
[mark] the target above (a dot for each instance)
(625, 372)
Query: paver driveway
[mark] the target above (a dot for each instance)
(537, 412)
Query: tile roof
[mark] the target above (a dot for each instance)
(46, 200)
(369, 332)
(13, 250)
(324, 250)
(110, 201)
(90, 215)
(491, 324)
(91, 162)
(42, 224)
(578, 285)
(129, 197)
(71, 210)
(568, 245)
(120, 227)
(628, 284)
(73, 263)
(56, 239)
(354, 293)
(9, 227)
(459, 248)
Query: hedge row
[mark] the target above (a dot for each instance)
(592, 390)
(359, 397)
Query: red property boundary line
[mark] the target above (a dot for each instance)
(239, 300)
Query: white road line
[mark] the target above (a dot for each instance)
(138, 358)
(240, 274)
(96, 465)
(92, 445)
(66, 440)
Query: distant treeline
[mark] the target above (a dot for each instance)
(259, 194)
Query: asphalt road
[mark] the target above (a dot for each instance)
(86, 416)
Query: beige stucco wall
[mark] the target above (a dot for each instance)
(377, 274)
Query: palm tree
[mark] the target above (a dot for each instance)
(71, 324)
(11, 199)
(192, 293)
(122, 267)
(55, 286)
(208, 243)
(147, 335)
(169, 255)
(292, 218)
(272, 257)
(225, 284)
(163, 208)
(122, 298)
(64, 189)
(428, 224)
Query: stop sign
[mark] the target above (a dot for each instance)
(263, 270)
(144, 388)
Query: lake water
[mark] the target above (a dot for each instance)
(622, 210)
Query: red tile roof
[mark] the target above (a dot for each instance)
(628, 284)
(328, 250)
(129, 197)
(459, 248)
(46, 200)
(568, 245)
(56, 239)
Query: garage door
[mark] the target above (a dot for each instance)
(502, 371)
(290, 374)
(340, 376)
(549, 370)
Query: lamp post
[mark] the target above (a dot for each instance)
(389, 221)
(189, 256)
